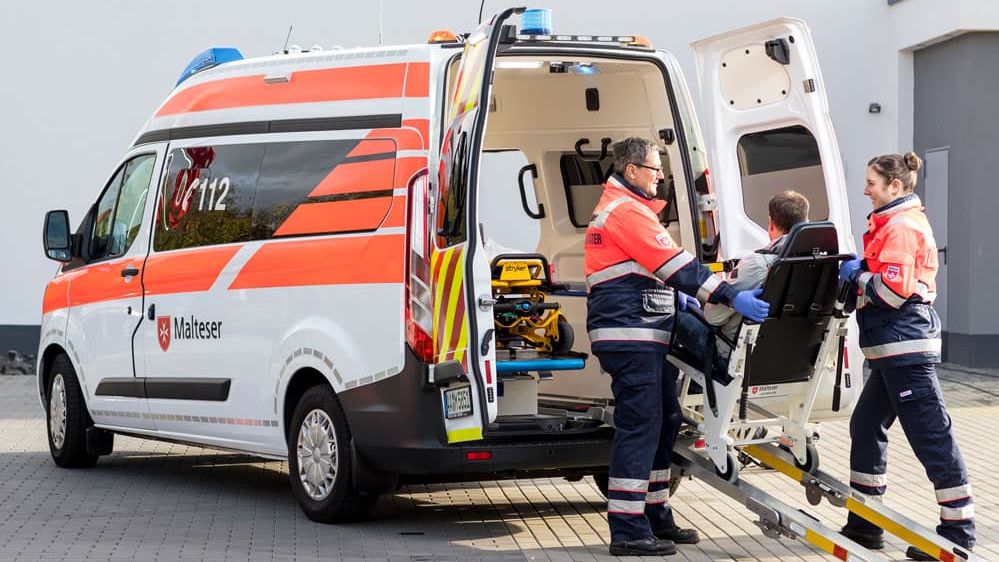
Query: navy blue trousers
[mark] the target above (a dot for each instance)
(646, 420)
(912, 395)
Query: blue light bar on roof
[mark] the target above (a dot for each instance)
(209, 58)
(536, 21)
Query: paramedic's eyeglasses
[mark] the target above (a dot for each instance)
(653, 168)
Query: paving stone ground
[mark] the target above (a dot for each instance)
(167, 502)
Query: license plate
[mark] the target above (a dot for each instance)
(458, 402)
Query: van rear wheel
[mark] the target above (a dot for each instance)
(68, 418)
(320, 460)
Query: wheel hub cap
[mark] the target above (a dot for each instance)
(317, 458)
(57, 412)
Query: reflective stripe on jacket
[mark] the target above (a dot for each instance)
(631, 265)
(898, 325)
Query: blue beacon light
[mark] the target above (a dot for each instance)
(209, 58)
(536, 21)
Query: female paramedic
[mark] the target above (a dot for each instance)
(900, 336)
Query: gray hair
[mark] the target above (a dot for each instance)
(632, 150)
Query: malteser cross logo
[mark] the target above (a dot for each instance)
(163, 332)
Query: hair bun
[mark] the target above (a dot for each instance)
(912, 161)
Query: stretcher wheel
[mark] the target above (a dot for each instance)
(811, 465)
(731, 472)
(566, 337)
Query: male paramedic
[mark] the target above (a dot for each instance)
(632, 267)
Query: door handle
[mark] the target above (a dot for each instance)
(129, 271)
(486, 302)
(151, 313)
(944, 252)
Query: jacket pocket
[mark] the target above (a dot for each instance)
(658, 301)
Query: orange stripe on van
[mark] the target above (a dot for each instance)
(421, 125)
(103, 282)
(186, 271)
(328, 84)
(397, 214)
(405, 139)
(327, 261)
(336, 216)
(57, 293)
(406, 168)
(354, 177)
(418, 80)
(368, 147)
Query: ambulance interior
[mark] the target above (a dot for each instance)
(541, 175)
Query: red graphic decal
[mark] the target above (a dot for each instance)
(186, 182)
(163, 331)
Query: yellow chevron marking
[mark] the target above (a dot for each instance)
(466, 434)
(439, 294)
(452, 303)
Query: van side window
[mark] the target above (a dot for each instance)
(323, 187)
(118, 214)
(207, 196)
(778, 160)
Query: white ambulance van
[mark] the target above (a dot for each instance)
(289, 261)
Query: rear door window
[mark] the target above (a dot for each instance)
(779, 160)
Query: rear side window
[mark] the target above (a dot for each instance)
(235, 193)
(779, 160)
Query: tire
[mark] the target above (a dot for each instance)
(67, 417)
(731, 472)
(811, 465)
(566, 338)
(323, 484)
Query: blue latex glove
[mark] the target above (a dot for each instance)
(686, 301)
(748, 304)
(849, 269)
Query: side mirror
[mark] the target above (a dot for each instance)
(58, 242)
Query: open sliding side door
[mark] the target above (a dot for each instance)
(769, 130)
(463, 317)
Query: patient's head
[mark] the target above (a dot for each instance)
(787, 209)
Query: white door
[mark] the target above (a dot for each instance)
(769, 130)
(106, 293)
(936, 187)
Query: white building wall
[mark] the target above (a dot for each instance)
(80, 78)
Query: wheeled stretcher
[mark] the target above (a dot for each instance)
(787, 354)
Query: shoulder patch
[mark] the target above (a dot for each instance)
(664, 240)
(892, 273)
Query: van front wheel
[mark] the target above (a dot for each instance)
(320, 463)
(68, 419)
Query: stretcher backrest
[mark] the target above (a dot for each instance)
(801, 293)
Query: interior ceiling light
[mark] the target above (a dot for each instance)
(527, 64)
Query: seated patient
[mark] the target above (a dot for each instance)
(787, 209)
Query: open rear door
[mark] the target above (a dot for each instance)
(769, 130)
(459, 268)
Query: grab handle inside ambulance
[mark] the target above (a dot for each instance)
(540, 213)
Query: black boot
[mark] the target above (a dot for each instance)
(678, 535)
(870, 541)
(650, 546)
